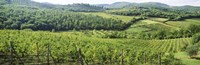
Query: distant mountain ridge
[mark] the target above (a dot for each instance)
(100, 7)
(119, 5)
(72, 7)
(129, 5)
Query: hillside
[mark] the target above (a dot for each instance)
(115, 5)
(122, 33)
(71, 7)
(130, 5)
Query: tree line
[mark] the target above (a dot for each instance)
(166, 34)
(48, 19)
(171, 14)
(78, 7)
(187, 32)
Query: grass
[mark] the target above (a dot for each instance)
(185, 59)
(106, 15)
(136, 28)
(149, 25)
(149, 21)
(158, 19)
(158, 22)
(185, 23)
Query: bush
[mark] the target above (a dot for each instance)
(196, 38)
(192, 50)
(169, 59)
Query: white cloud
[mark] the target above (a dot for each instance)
(170, 2)
(196, 3)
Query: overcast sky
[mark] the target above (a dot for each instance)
(169, 2)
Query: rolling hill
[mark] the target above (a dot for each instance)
(71, 7)
(130, 5)
(104, 34)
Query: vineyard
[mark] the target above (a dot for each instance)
(48, 47)
(121, 33)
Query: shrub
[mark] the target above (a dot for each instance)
(192, 50)
(196, 38)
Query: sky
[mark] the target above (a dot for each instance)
(169, 2)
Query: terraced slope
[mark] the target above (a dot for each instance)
(118, 17)
(185, 23)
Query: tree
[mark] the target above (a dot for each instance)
(161, 34)
(193, 28)
(192, 50)
(196, 38)
(194, 47)
(1, 26)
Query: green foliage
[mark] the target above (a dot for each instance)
(194, 28)
(72, 7)
(171, 14)
(196, 38)
(169, 60)
(53, 19)
(107, 15)
(64, 47)
(185, 23)
(97, 46)
(193, 49)
(185, 59)
(168, 34)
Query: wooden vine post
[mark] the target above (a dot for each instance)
(38, 57)
(122, 57)
(48, 54)
(12, 50)
(144, 58)
(11, 54)
(159, 59)
(80, 56)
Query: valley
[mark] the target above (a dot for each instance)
(122, 33)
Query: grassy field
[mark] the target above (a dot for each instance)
(158, 23)
(137, 27)
(185, 23)
(106, 15)
(94, 46)
(150, 25)
(185, 59)
(157, 19)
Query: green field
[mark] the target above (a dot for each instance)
(185, 23)
(92, 48)
(97, 46)
(185, 59)
(122, 33)
(150, 25)
(117, 17)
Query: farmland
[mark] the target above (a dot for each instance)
(84, 34)
(93, 49)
